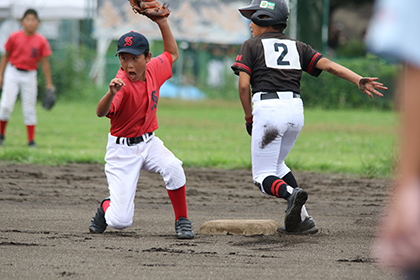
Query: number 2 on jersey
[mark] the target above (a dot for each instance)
(280, 60)
(281, 54)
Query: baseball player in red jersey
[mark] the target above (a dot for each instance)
(131, 104)
(272, 64)
(24, 49)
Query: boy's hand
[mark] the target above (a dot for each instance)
(115, 85)
(368, 85)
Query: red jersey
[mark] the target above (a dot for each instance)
(26, 51)
(133, 109)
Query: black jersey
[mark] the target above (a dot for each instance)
(275, 62)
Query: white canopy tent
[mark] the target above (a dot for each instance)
(48, 9)
(51, 12)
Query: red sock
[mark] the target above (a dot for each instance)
(31, 132)
(3, 125)
(106, 204)
(179, 202)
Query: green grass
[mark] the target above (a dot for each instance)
(357, 142)
(212, 134)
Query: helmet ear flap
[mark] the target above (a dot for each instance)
(262, 19)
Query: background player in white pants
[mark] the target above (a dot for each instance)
(131, 104)
(19, 64)
(272, 64)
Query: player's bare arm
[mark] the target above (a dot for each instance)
(3, 63)
(365, 84)
(169, 43)
(245, 94)
(104, 104)
(45, 64)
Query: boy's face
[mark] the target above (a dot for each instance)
(257, 30)
(134, 65)
(30, 24)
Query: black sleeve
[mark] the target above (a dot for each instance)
(244, 60)
(309, 59)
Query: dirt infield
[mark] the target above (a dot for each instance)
(45, 213)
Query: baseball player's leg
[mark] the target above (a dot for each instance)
(122, 170)
(9, 93)
(161, 160)
(289, 140)
(268, 147)
(3, 125)
(276, 128)
(274, 135)
(290, 179)
(29, 94)
(283, 171)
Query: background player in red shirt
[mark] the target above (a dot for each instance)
(131, 104)
(272, 64)
(19, 64)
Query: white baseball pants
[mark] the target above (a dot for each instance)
(13, 82)
(122, 169)
(276, 127)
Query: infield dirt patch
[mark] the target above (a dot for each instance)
(45, 214)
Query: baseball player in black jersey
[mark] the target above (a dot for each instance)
(270, 66)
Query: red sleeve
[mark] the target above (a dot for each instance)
(160, 68)
(46, 49)
(9, 44)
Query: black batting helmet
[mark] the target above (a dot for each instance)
(266, 13)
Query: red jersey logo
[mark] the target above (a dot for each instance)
(128, 41)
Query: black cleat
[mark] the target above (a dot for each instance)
(411, 274)
(306, 227)
(98, 223)
(1, 139)
(32, 144)
(183, 228)
(295, 202)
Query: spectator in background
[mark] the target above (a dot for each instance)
(393, 33)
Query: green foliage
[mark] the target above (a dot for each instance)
(212, 133)
(70, 68)
(329, 91)
(352, 49)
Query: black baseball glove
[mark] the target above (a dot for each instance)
(49, 98)
(249, 128)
